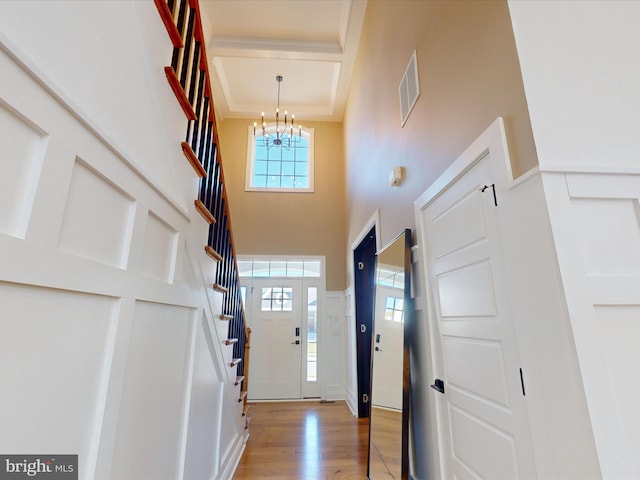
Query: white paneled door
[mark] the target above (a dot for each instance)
(484, 429)
(277, 339)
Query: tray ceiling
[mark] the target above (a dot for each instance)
(311, 43)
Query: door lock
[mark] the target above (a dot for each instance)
(297, 342)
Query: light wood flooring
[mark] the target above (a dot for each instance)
(386, 440)
(304, 440)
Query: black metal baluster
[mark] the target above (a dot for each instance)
(199, 143)
(188, 40)
(194, 77)
(212, 200)
(175, 59)
(207, 182)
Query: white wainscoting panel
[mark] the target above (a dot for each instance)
(52, 349)
(152, 403)
(98, 218)
(334, 348)
(205, 413)
(159, 249)
(22, 149)
(102, 276)
(596, 223)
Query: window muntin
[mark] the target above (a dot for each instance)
(394, 309)
(389, 277)
(277, 168)
(276, 299)
(279, 268)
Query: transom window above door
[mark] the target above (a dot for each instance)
(390, 277)
(281, 168)
(279, 268)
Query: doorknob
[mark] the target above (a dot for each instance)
(378, 349)
(297, 342)
(438, 385)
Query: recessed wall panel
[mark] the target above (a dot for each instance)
(203, 441)
(610, 242)
(98, 218)
(22, 150)
(619, 328)
(185, 275)
(467, 292)
(461, 225)
(159, 250)
(52, 349)
(476, 443)
(477, 367)
(152, 406)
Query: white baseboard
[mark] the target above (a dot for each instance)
(230, 463)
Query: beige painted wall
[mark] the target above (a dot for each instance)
(267, 223)
(469, 75)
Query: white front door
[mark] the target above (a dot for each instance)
(388, 346)
(276, 339)
(484, 431)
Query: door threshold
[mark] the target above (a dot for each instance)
(280, 400)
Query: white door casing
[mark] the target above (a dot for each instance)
(483, 424)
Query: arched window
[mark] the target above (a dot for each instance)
(287, 167)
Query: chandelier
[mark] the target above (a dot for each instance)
(284, 135)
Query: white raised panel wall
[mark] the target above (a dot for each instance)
(333, 347)
(109, 345)
(596, 226)
(560, 425)
(583, 101)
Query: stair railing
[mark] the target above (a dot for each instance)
(189, 79)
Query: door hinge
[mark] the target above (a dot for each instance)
(365, 398)
(522, 383)
(493, 187)
(360, 265)
(363, 328)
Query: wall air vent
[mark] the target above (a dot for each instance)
(409, 89)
